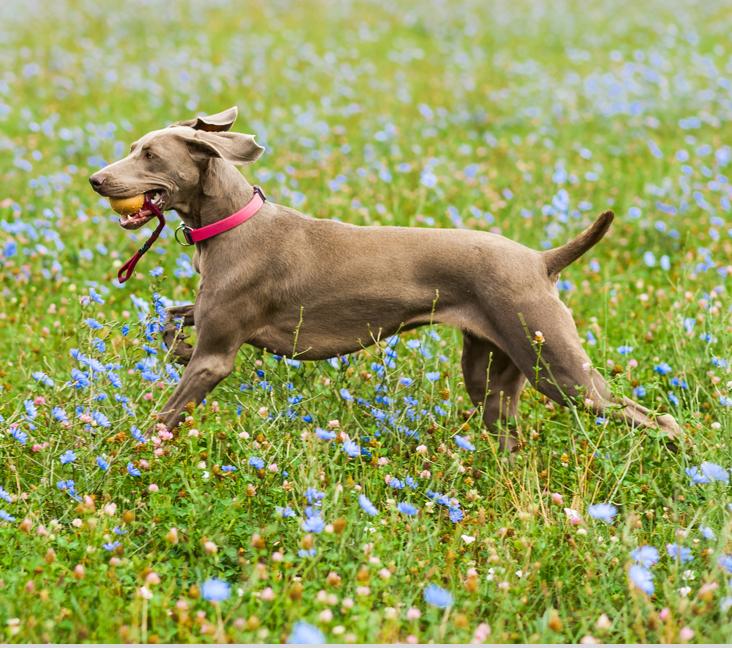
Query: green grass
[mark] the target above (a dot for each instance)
(533, 117)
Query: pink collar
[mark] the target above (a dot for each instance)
(192, 236)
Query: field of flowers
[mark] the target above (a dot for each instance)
(359, 499)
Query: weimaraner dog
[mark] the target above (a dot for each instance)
(313, 289)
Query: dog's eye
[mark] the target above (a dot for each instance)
(149, 155)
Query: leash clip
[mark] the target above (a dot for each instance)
(188, 241)
(260, 193)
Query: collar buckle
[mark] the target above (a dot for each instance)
(187, 240)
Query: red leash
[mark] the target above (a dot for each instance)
(125, 272)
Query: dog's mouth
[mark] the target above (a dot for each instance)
(155, 198)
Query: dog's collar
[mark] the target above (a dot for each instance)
(192, 236)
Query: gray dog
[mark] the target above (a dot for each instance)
(314, 289)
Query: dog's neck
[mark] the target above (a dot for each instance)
(222, 191)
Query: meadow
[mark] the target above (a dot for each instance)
(360, 499)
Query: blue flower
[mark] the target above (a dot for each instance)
(134, 472)
(639, 391)
(304, 633)
(256, 462)
(396, 483)
(313, 495)
(42, 378)
(707, 533)
(642, 578)
(102, 463)
(463, 443)
(215, 590)
(683, 554)
(696, 476)
(285, 511)
(345, 394)
(137, 435)
(4, 515)
(714, 472)
(435, 595)
(67, 457)
(111, 546)
(325, 435)
(604, 512)
(432, 376)
(93, 324)
(625, 350)
(646, 555)
(314, 524)
(407, 508)
(662, 369)
(456, 514)
(5, 495)
(351, 449)
(725, 562)
(228, 469)
(367, 506)
(20, 436)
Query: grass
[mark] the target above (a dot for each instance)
(526, 119)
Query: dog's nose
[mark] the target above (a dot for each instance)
(96, 180)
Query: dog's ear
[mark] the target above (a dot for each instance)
(236, 148)
(217, 123)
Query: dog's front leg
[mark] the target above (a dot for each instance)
(211, 361)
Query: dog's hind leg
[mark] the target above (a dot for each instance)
(173, 333)
(494, 383)
(557, 365)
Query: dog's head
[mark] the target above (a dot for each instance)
(166, 166)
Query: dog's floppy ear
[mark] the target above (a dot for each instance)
(217, 123)
(236, 148)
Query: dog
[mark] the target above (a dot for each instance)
(314, 288)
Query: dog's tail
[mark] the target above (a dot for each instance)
(559, 258)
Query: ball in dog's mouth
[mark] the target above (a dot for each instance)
(132, 209)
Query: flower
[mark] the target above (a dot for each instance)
(432, 376)
(456, 514)
(351, 449)
(725, 562)
(313, 524)
(367, 506)
(463, 443)
(641, 578)
(345, 394)
(102, 463)
(680, 553)
(285, 511)
(646, 555)
(407, 508)
(4, 515)
(707, 533)
(20, 436)
(68, 457)
(662, 369)
(256, 462)
(325, 435)
(215, 590)
(134, 472)
(313, 495)
(304, 633)
(604, 512)
(714, 472)
(435, 595)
